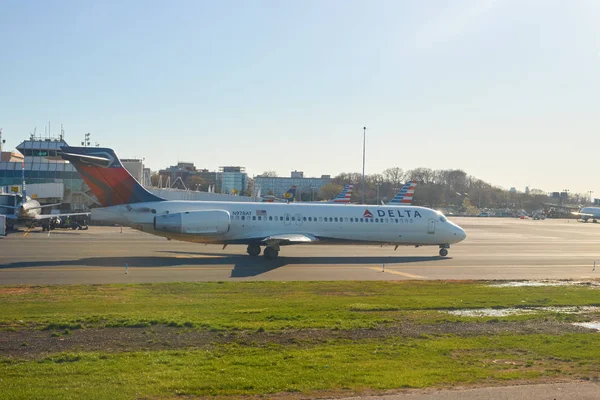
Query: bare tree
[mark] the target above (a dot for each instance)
(269, 174)
(394, 175)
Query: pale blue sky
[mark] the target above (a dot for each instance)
(507, 90)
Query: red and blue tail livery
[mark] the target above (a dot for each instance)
(405, 195)
(101, 169)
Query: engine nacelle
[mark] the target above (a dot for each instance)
(203, 222)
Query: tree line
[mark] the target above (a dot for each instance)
(448, 188)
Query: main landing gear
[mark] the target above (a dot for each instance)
(253, 250)
(444, 250)
(270, 252)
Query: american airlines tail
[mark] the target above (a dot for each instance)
(405, 195)
(344, 196)
(101, 169)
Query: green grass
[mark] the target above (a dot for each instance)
(317, 367)
(267, 305)
(339, 366)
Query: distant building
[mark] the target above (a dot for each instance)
(277, 186)
(526, 189)
(11, 156)
(513, 190)
(234, 180)
(43, 164)
(186, 174)
(135, 168)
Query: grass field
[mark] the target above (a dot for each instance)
(269, 338)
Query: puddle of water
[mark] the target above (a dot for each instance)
(545, 283)
(589, 325)
(505, 312)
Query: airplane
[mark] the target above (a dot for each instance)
(256, 225)
(588, 212)
(29, 211)
(288, 197)
(344, 196)
(405, 195)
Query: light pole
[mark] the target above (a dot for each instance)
(363, 174)
(378, 185)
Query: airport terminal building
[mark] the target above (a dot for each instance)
(50, 179)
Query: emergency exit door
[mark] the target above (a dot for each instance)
(431, 226)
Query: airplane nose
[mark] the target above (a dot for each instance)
(460, 234)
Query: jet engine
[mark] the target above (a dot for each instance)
(203, 222)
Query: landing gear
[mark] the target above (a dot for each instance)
(271, 253)
(253, 250)
(444, 250)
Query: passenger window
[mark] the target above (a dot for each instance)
(309, 219)
(376, 219)
(330, 219)
(253, 218)
(259, 217)
(243, 218)
(396, 220)
(270, 218)
(303, 218)
(411, 220)
(361, 220)
(335, 219)
(293, 218)
(387, 220)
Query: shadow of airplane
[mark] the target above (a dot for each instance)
(243, 265)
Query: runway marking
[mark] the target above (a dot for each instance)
(404, 274)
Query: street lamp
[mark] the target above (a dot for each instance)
(363, 174)
(378, 185)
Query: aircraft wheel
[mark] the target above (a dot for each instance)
(270, 253)
(253, 250)
(443, 252)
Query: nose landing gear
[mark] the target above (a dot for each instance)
(444, 250)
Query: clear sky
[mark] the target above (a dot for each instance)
(508, 90)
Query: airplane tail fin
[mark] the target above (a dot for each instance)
(344, 196)
(103, 172)
(290, 194)
(405, 195)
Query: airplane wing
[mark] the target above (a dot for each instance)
(49, 216)
(289, 238)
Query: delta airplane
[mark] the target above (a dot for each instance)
(271, 225)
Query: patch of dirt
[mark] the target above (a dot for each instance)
(33, 344)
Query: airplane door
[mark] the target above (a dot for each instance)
(431, 226)
(287, 220)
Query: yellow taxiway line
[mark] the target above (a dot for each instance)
(404, 274)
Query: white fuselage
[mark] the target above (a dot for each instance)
(594, 212)
(329, 223)
(30, 209)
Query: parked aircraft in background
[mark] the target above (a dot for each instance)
(270, 225)
(28, 211)
(587, 213)
(288, 197)
(344, 196)
(405, 195)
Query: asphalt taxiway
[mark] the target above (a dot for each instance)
(495, 248)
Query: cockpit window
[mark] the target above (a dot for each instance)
(443, 219)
